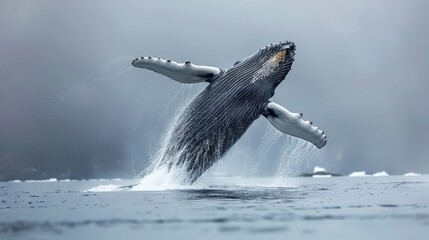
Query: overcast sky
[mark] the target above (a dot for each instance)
(71, 107)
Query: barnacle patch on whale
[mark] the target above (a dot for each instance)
(269, 66)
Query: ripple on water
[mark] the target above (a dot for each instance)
(388, 205)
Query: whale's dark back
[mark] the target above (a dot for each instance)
(221, 113)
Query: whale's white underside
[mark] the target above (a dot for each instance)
(181, 72)
(292, 124)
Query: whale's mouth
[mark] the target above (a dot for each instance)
(279, 62)
(289, 49)
(292, 46)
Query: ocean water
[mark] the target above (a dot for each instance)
(219, 207)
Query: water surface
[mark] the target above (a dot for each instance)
(394, 207)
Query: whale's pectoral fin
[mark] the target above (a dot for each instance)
(292, 124)
(181, 72)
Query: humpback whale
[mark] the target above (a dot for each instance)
(234, 98)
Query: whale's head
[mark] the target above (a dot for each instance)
(271, 63)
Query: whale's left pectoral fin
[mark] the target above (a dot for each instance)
(292, 124)
(181, 72)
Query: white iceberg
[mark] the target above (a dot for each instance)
(380, 174)
(411, 174)
(358, 174)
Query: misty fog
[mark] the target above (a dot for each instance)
(71, 105)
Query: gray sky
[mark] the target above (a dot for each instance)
(70, 110)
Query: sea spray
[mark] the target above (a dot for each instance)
(284, 157)
(176, 104)
(162, 178)
(298, 157)
(158, 175)
(263, 153)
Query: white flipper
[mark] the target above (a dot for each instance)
(292, 124)
(181, 72)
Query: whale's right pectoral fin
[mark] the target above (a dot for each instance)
(181, 72)
(292, 124)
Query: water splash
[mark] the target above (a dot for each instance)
(264, 151)
(157, 175)
(164, 178)
(298, 157)
(154, 151)
(286, 156)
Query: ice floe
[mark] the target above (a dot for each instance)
(358, 174)
(411, 174)
(364, 174)
(380, 174)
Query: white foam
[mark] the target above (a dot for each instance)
(17, 180)
(411, 174)
(159, 179)
(104, 188)
(162, 179)
(359, 174)
(318, 169)
(380, 174)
